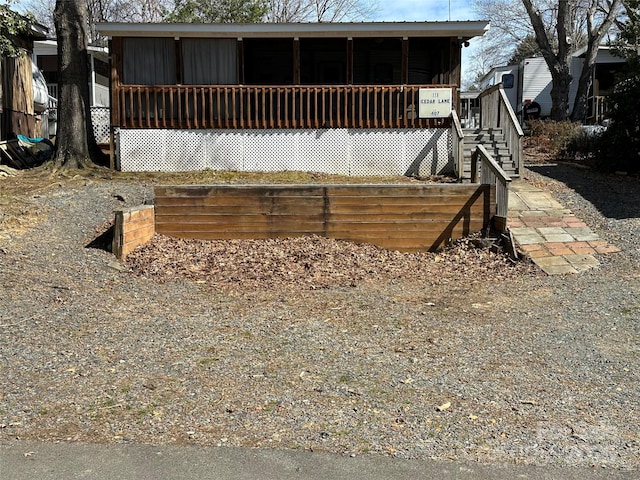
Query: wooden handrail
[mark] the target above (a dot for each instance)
(496, 112)
(492, 174)
(512, 130)
(457, 141)
(273, 106)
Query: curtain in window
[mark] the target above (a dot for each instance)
(149, 61)
(209, 61)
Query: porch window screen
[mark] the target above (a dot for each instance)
(209, 61)
(149, 61)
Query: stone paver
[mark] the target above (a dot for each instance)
(582, 262)
(555, 239)
(582, 233)
(555, 265)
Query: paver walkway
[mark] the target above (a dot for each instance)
(555, 239)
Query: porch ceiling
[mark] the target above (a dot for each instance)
(462, 29)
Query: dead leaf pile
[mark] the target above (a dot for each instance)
(310, 262)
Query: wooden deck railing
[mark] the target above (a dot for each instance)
(266, 107)
(496, 112)
(492, 174)
(599, 109)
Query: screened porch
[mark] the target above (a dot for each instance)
(279, 83)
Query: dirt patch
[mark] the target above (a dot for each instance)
(531, 368)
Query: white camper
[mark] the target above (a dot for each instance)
(536, 83)
(530, 81)
(508, 76)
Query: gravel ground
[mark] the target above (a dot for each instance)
(363, 352)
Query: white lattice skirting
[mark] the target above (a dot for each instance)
(340, 151)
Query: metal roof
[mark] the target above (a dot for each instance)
(463, 29)
(50, 47)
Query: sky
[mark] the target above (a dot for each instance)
(424, 10)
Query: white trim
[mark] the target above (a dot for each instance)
(93, 81)
(50, 47)
(465, 29)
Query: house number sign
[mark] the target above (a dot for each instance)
(434, 102)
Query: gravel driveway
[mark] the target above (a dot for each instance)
(451, 356)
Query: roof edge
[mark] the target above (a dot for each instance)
(464, 29)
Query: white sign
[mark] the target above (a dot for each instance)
(434, 102)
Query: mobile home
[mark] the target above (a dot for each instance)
(354, 98)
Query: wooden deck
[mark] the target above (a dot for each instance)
(397, 217)
(271, 107)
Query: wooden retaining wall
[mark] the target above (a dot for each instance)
(397, 217)
(132, 227)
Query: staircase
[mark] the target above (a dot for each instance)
(493, 140)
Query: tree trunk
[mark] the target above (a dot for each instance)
(75, 140)
(560, 84)
(559, 63)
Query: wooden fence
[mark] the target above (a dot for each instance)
(266, 107)
(397, 217)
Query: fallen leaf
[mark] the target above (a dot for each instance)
(443, 407)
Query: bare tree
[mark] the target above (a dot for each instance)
(560, 28)
(103, 11)
(319, 10)
(42, 10)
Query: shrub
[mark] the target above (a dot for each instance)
(619, 146)
(551, 137)
(583, 145)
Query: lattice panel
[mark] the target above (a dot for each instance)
(401, 152)
(101, 117)
(188, 149)
(340, 151)
(378, 152)
(432, 154)
(325, 151)
(143, 150)
(271, 150)
(226, 150)
(179, 150)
